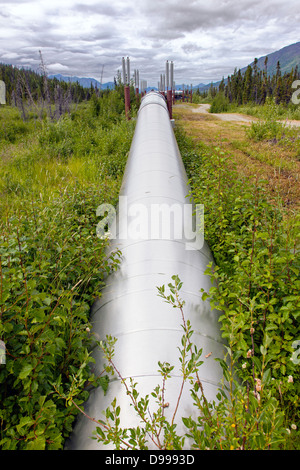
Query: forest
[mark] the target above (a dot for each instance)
(35, 88)
(254, 86)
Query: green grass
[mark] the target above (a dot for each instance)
(45, 156)
(269, 110)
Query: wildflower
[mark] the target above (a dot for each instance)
(293, 426)
(258, 385)
(290, 379)
(252, 331)
(288, 431)
(244, 365)
(249, 353)
(87, 329)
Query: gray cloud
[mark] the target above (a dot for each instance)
(206, 40)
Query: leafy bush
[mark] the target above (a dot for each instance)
(51, 269)
(241, 417)
(220, 104)
(52, 266)
(256, 252)
(273, 129)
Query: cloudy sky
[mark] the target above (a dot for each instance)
(206, 39)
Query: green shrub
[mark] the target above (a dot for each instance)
(257, 265)
(266, 130)
(52, 267)
(220, 104)
(12, 130)
(241, 418)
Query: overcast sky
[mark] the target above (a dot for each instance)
(206, 39)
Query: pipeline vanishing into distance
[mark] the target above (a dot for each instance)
(148, 329)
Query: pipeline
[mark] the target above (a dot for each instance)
(147, 329)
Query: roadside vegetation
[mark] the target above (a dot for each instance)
(252, 226)
(53, 175)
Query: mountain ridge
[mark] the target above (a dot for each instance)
(86, 82)
(288, 56)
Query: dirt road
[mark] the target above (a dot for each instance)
(204, 108)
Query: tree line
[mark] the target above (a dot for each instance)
(45, 95)
(256, 85)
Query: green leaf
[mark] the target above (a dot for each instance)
(24, 421)
(263, 350)
(266, 377)
(25, 371)
(38, 444)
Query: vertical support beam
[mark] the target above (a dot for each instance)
(2, 92)
(136, 84)
(172, 75)
(169, 102)
(123, 71)
(126, 80)
(167, 75)
(128, 71)
(172, 84)
(127, 101)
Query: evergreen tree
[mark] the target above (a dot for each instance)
(256, 85)
(247, 85)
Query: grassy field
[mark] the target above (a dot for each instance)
(277, 160)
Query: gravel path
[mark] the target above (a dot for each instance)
(204, 108)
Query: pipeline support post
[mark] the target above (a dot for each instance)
(126, 80)
(136, 84)
(127, 101)
(2, 92)
(169, 102)
(169, 85)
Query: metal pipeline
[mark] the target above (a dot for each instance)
(147, 329)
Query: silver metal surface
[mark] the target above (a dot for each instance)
(124, 71)
(2, 92)
(147, 329)
(172, 75)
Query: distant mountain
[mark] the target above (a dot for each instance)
(288, 56)
(85, 82)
